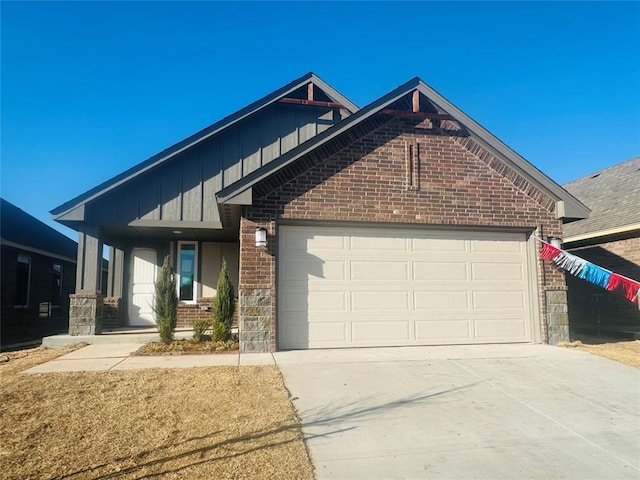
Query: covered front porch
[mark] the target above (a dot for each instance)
(195, 252)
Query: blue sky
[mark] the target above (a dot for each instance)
(89, 89)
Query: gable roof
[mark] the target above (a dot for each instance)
(20, 230)
(613, 195)
(202, 135)
(567, 206)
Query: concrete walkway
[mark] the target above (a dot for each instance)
(481, 412)
(101, 357)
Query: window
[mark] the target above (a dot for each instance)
(56, 285)
(23, 274)
(187, 271)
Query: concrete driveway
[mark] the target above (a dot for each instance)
(482, 412)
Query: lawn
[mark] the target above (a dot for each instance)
(623, 351)
(199, 423)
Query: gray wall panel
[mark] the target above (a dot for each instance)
(251, 148)
(270, 137)
(170, 194)
(307, 120)
(184, 188)
(212, 181)
(148, 199)
(231, 160)
(288, 129)
(192, 188)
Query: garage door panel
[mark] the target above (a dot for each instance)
(321, 301)
(382, 241)
(433, 301)
(440, 271)
(301, 269)
(499, 272)
(374, 301)
(499, 243)
(443, 331)
(306, 241)
(439, 243)
(358, 286)
(489, 299)
(500, 329)
(315, 335)
(390, 331)
(380, 270)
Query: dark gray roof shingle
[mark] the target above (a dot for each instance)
(612, 194)
(18, 227)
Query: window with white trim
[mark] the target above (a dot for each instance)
(187, 271)
(23, 279)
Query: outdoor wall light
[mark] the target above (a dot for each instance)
(261, 237)
(555, 241)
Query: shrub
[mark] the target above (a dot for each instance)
(166, 303)
(224, 305)
(220, 332)
(200, 328)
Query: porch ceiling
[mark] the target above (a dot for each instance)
(112, 234)
(227, 231)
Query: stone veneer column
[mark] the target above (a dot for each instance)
(557, 316)
(85, 314)
(255, 319)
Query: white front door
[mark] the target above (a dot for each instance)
(142, 289)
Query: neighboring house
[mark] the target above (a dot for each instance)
(610, 237)
(401, 223)
(38, 274)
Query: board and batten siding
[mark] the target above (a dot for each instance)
(184, 189)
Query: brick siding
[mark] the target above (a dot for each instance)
(459, 184)
(111, 313)
(189, 312)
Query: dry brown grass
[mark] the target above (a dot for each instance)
(626, 352)
(199, 423)
(188, 346)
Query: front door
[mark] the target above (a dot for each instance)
(142, 288)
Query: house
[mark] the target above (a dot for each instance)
(38, 274)
(610, 237)
(401, 223)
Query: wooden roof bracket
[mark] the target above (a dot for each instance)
(313, 103)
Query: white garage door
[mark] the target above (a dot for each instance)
(348, 287)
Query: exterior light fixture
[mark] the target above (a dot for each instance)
(261, 237)
(555, 241)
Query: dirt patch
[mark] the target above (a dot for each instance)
(214, 422)
(626, 352)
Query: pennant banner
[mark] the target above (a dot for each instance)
(588, 271)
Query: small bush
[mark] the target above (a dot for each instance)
(200, 328)
(220, 332)
(224, 305)
(165, 305)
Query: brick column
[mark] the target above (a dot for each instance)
(257, 288)
(255, 320)
(85, 314)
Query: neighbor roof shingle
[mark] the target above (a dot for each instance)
(612, 194)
